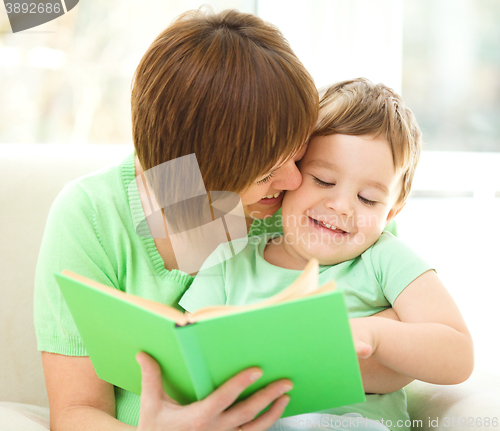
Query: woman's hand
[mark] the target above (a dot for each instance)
(159, 412)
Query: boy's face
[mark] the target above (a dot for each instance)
(347, 197)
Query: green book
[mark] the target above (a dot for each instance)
(302, 334)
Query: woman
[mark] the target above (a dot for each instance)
(227, 88)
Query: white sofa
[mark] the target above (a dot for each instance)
(31, 177)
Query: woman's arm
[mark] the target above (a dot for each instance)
(431, 343)
(80, 401)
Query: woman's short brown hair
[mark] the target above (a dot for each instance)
(359, 107)
(226, 87)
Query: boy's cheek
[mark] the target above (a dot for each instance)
(291, 202)
(369, 220)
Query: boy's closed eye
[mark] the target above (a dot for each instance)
(325, 184)
(322, 183)
(367, 201)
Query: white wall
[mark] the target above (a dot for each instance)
(342, 39)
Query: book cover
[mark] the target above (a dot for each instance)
(304, 337)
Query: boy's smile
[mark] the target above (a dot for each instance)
(349, 193)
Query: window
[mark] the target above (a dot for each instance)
(451, 72)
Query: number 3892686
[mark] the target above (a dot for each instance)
(33, 8)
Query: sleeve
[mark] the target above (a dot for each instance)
(70, 241)
(395, 265)
(208, 287)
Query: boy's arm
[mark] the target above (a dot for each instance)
(377, 378)
(431, 343)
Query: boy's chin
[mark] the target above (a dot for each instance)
(327, 256)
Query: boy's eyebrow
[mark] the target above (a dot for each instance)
(323, 164)
(379, 186)
(327, 165)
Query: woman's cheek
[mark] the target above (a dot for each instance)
(253, 195)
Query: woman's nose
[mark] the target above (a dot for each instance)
(288, 177)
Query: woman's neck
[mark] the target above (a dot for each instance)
(157, 224)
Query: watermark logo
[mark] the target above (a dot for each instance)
(197, 221)
(24, 15)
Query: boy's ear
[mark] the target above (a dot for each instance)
(394, 212)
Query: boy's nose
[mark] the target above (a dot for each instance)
(341, 204)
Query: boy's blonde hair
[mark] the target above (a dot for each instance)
(359, 107)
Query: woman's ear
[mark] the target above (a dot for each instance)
(394, 212)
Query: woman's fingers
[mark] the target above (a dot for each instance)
(228, 392)
(265, 420)
(212, 413)
(152, 383)
(245, 411)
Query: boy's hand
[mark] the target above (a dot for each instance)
(364, 336)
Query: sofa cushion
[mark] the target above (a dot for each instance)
(471, 405)
(31, 177)
(23, 417)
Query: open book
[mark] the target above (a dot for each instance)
(302, 333)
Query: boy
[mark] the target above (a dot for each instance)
(357, 174)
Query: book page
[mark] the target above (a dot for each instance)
(164, 310)
(306, 284)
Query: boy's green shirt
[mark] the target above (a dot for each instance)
(370, 283)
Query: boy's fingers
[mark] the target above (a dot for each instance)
(363, 350)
